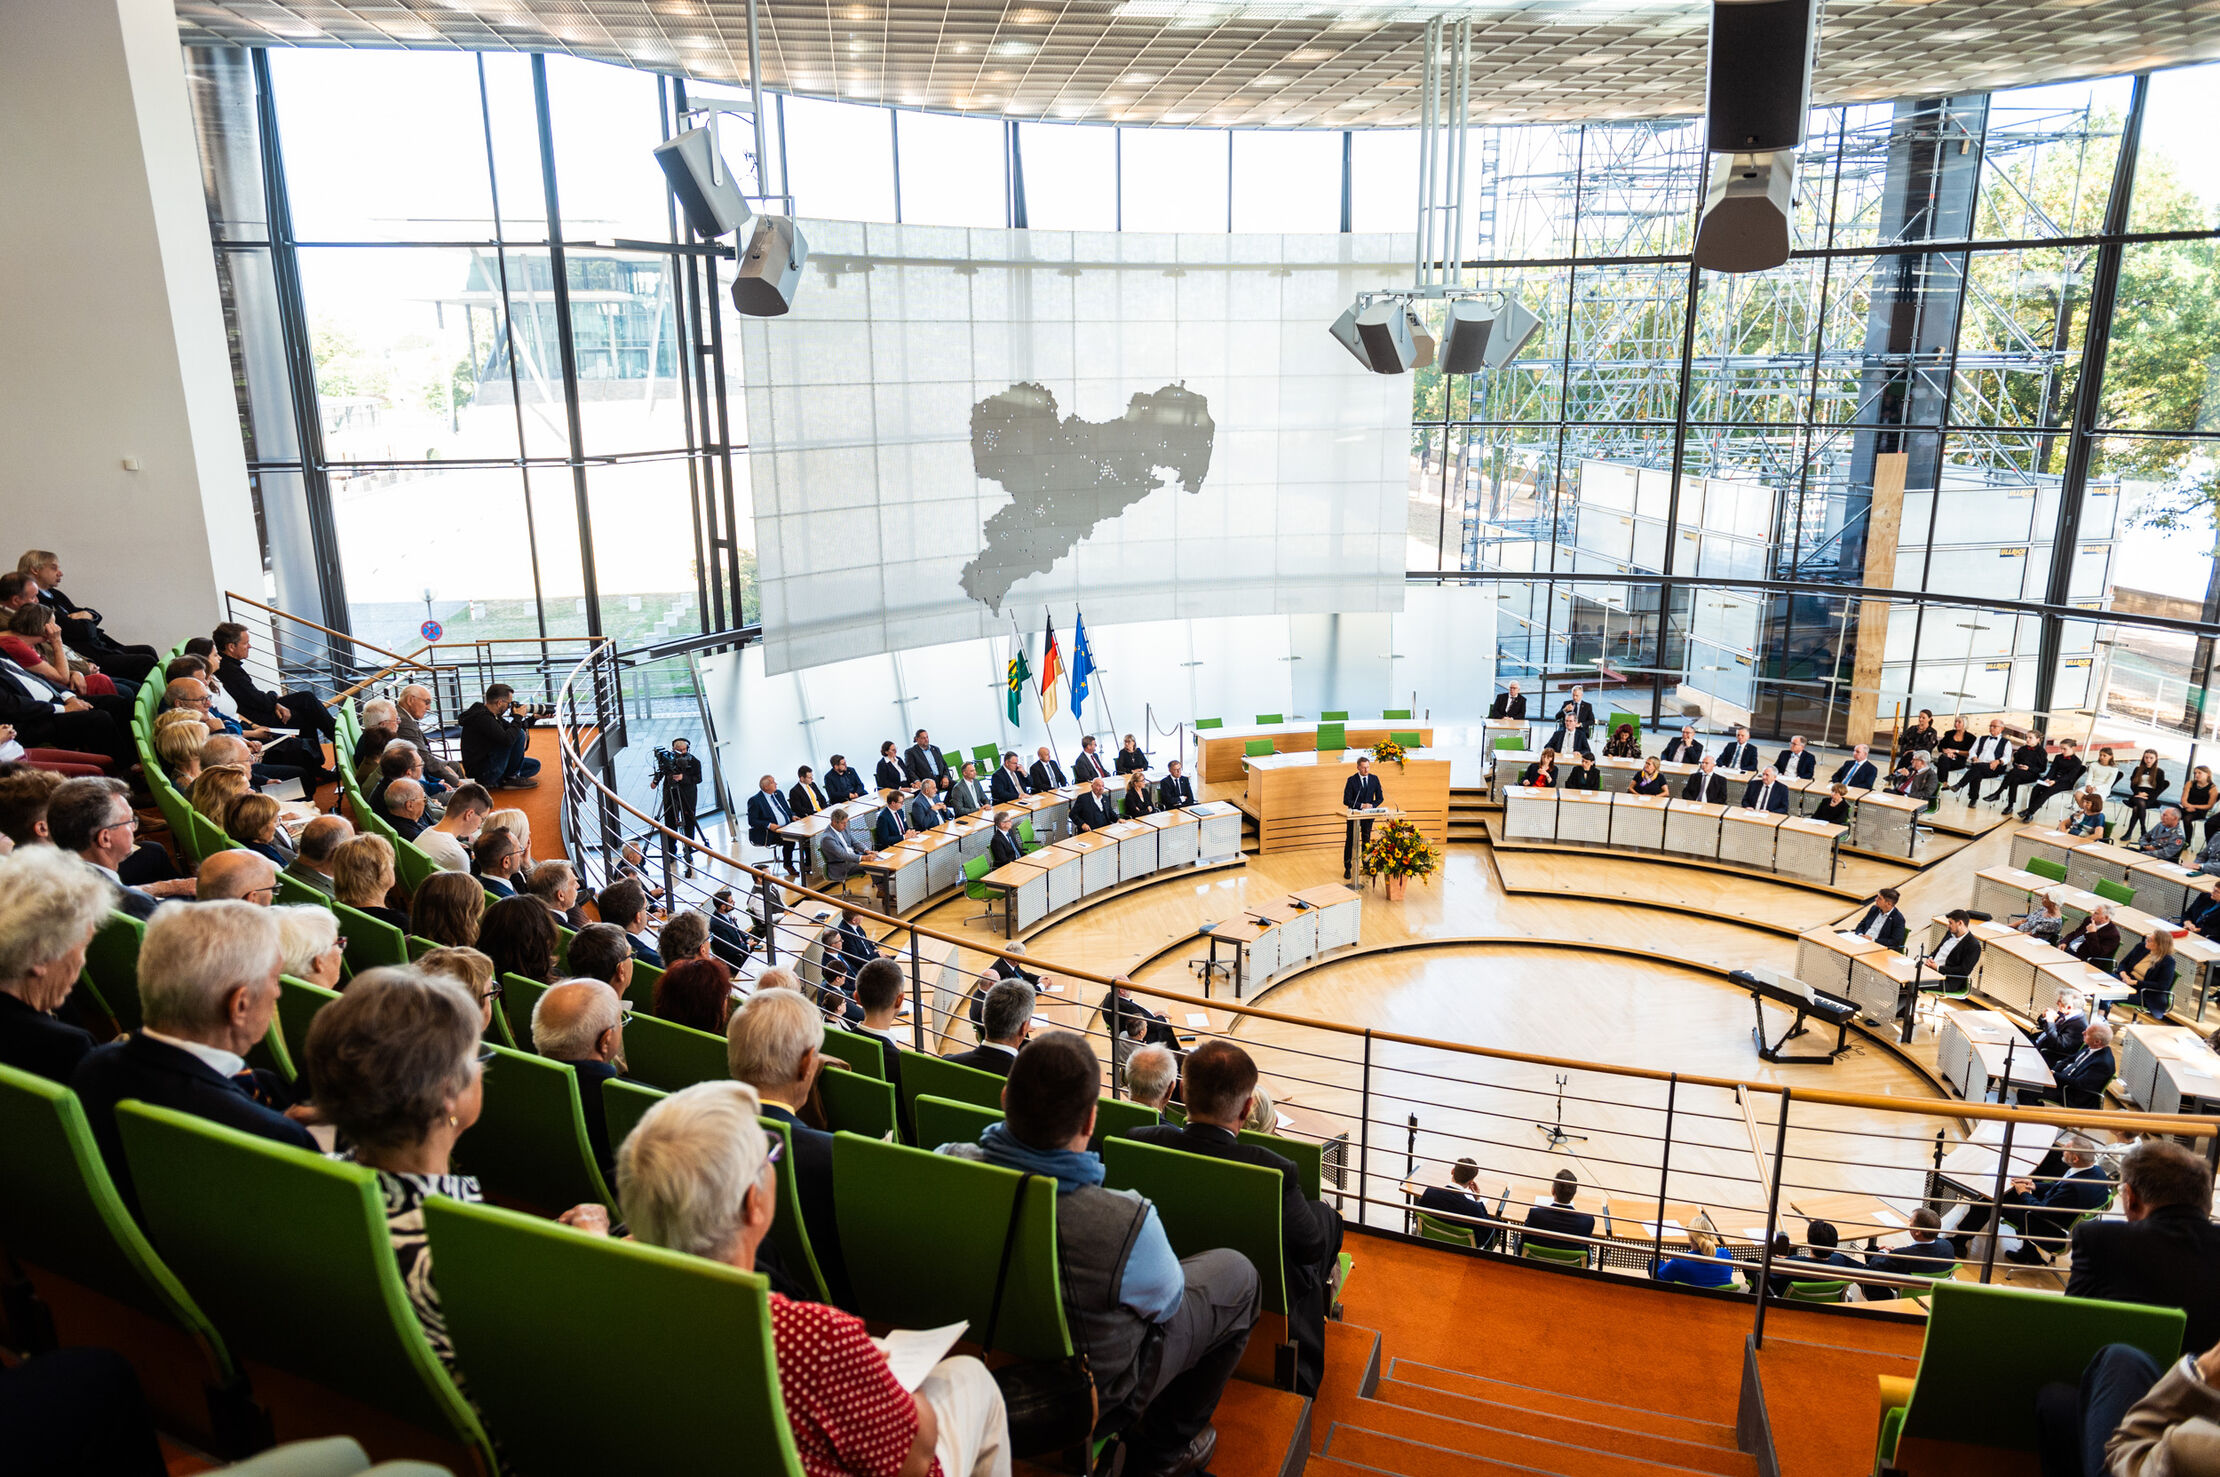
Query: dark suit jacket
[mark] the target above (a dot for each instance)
(1683, 751)
(1914, 1259)
(1568, 741)
(812, 1166)
(842, 784)
(1135, 1022)
(1310, 1231)
(2066, 771)
(1132, 759)
(1507, 706)
(1087, 766)
(924, 763)
(984, 1058)
(645, 953)
(1561, 1218)
(1742, 756)
(2030, 759)
(1795, 766)
(889, 827)
(1046, 774)
(1005, 785)
(1714, 793)
(1004, 847)
(890, 775)
(2055, 1206)
(763, 813)
(925, 814)
(2168, 1259)
(1965, 955)
(33, 1041)
(1893, 930)
(1583, 777)
(137, 902)
(1362, 789)
(1777, 802)
(2060, 1041)
(1858, 774)
(1092, 813)
(805, 799)
(150, 1071)
(1587, 714)
(256, 704)
(2096, 945)
(1457, 1205)
(493, 885)
(727, 942)
(591, 1074)
(1174, 791)
(2083, 1078)
(1134, 804)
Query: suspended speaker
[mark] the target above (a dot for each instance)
(1758, 77)
(1384, 329)
(770, 269)
(1515, 328)
(1464, 338)
(703, 182)
(1422, 342)
(1744, 227)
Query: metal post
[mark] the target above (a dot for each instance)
(1996, 1198)
(1665, 1168)
(1772, 1220)
(1364, 1132)
(770, 922)
(917, 995)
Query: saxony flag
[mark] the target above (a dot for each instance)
(1020, 673)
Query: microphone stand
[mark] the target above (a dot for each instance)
(1555, 1132)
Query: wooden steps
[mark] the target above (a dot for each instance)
(1456, 1385)
(1468, 813)
(1698, 1445)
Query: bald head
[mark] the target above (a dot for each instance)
(185, 692)
(578, 1020)
(242, 875)
(404, 799)
(322, 837)
(224, 749)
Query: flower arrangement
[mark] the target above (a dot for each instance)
(1397, 850)
(1388, 751)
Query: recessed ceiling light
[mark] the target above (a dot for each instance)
(1015, 48)
(1031, 17)
(1137, 79)
(1267, 80)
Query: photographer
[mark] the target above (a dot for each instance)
(678, 776)
(493, 739)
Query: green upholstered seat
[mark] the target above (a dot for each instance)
(865, 1054)
(371, 942)
(1210, 723)
(1332, 715)
(1332, 738)
(314, 1290)
(2114, 892)
(1264, 718)
(1121, 1116)
(2044, 867)
(1563, 1256)
(518, 996)
(987, 757)
(112, 967)
(1434, 1228)
(1026, 838)
(717, 1408)
(1408, 739)
(529, 1144)
(1510, 741)
(924, 1074)
(663, 1054)
(293, 892)
(1391, 714)
(1309, 1157)
(1206, 1203)
(856, 1103)
(943, 1121)
(623, 1105)
(1257, 748)
(298, 1002)
(1817, 1292)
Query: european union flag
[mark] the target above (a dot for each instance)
(1082, 664)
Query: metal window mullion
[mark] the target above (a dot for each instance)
(508, 335)
(685, 322)
(567, 349)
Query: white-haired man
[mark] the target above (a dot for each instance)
(696, 1177)
(580, 1023)
(408, 715)
(208, 985)
(1150, 1075)
(773, 1043)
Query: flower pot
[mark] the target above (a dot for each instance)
(1395, 887)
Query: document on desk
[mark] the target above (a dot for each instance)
(911, 1353)
(1200, 1020)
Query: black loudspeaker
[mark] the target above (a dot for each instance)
(1464, 338)
(1384, 329)
(1758, 77)
(703, 182)
(770, 269)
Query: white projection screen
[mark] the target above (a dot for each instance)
(957, 429)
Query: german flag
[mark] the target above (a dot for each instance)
(1052, 667)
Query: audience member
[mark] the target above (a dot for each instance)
(684, 937)
(2129, 1418)
(208, 986)
(252, 821)
(494, 859)
(445, 842)
(2166, 839)
(725, 938)
(49, 910)
(1131, 1023)
(316, 860)
(695, 992)
(82, 626)
(217, 787)
(92, 819)
(1925, 1255)
(236, 876)
(408, 714)
(841, 782)
(309, 944)
(23, 800)
(1560, 1217)
(1708, 1264)
(470, 969)
(1457, 1201)
(47, 716)
(1823, 1246)
(2149, 966)
(448, 909)
(494, 738)
(775, 1043)
(299, 710)
(2095, 939)
(2036, 1217)
(1150, 1075)
(1163, 1334)
(362, 878)
(177, 746)
(555, 884)
(580, 1023)
(1217, 1085)
(519, 937)
(625, 904)
(878, 990)
(600, 951)
(1008, 1017)
(2165, 1249)
(405, 808)
(696, 1177)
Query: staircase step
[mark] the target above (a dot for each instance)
(1262, 1431)
(1407, 1372)
(1326, 1466)
(1439, 1418)
(1502, 1457)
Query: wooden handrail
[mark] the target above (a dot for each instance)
(312, 625)
(409, 661)
(2125, 1122)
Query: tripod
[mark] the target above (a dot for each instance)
(1555, 1132)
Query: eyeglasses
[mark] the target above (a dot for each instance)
(493, 991)
(485, 1054)
(339, 943)
(255, 892)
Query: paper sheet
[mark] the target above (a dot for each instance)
(1889, 1218)
(1282, 1121)
(1200, 1020)
(911, 1353)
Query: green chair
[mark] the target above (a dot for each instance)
(518, 996)
(298, 1002)
(789, 1232)
(314, 1289)
(1332, 738)
(1390, 714)
(1121, 1116)
(1817, 1292)
(987, 757)
(1266, 718)
(1618, 721)
(112, 967)
(856, 1103)
(293, 892)
(2118, 893)
(624, 1104)
(978, 891)
(371, 942)
(2045, 868)
(529, 1145)
(1434, 1228)
(1327, 716)
(60, 1215)
(1989, 1350)
(411, 863)
(670, 1056)
(1409, 739)
(926, 1075)
(520, 1348)
(865, 1054)
(1257, 748)
(1563, 1256)
(929, 1270)
(1026, 837)
(943, 1121)
(174, 808)
(1201, 723)
(1309, 1157)
(1511, 742)
(641, 990)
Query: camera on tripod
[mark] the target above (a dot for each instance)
(669, 763)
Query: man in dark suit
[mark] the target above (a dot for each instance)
(926, 809)
(841, 782)
(1766, 793)
(2166, 1253)
(805, 798)
(2029, 761)
(1219, 1086)
(1581, 706)
(82, 630)
(879, 988)
(580, 1023)
(1991, 752)
(1685, 749)
(774, 1043)
(726, 940)
(1739, 753)
(625, 903)
(1508, 704)
(1090, 762)
(923, 761)
(1955, 957)
(91, 818)
(2095, 939)
(1456, 1201)
(1175, 789)
(1046, 773)
(1361, 791)
(2066, 770)
(1925, 1255)
(1884, 921)
(1008, 782)
(301, 710)
(2040, 1213)
(1006, 1017)
(208, 986)
(1706, 784)
(965, 794)
(1127, 1019)
(1559, 1216)
(1796, 761)
(1093, 810)
(2058, 1037)
(1858, 771)
(1570, 736)
(889, 828)
(2083, 1077)
(768, 810)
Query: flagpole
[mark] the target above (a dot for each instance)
(1041, 700)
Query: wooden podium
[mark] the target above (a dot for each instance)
(1296, 798)
(1355, 820)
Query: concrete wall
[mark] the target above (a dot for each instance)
(111, 330)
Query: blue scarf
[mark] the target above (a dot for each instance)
(1071, 1168)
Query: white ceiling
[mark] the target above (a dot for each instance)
(1252, 62)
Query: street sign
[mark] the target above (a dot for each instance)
(431, 630)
